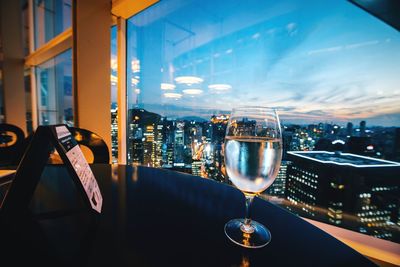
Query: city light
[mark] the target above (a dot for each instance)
(196, 146)
(189, 80)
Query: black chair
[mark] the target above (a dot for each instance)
(12, 141)
(92, 141)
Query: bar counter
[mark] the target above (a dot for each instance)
(155, 217)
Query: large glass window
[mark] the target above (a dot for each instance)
(330, 69)
(114, 93)
(54, 86)
(52, 17)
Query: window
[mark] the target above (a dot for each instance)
(54, 85)
(52, 17)
(329, 67)
(114, 92)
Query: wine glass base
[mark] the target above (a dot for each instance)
(257, 236)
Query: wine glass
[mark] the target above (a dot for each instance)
(253, 153)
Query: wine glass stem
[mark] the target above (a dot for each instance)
(247, 227)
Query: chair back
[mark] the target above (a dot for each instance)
(92, 141)
(12, 140)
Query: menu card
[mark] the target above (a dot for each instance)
(81, 167)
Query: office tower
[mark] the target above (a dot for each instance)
(196, 167)
(362, 128)
(149, 146)
(159, 141)
(328, 129)
(170, 154)
(278, 186)
(137, 154)
(179, 143)
(114, 134)
(357, 192)
(142, 147)
(349, 129)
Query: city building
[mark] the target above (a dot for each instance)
(278, 187)
(114, 134)
(358, 192)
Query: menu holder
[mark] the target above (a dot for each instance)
(29, 171)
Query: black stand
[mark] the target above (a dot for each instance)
(27, 177)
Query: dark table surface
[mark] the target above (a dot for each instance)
(154, 217)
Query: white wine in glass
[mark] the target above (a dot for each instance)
(253, 153)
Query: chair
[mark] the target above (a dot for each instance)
(92, 141)
(12, 140)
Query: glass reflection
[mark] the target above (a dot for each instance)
(52, 17)
(54, 85)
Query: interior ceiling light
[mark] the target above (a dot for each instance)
(135, 81)
(113, 78)
(172, 95)
(188, 80)
(114, 64)
(192, 91)
(167, 86)
(220, 87)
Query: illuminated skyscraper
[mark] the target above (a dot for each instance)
(179, 143)
(170, 154)
(142, 147)
(278, 186)
(196, 167)
(329, 185)
(114, 134)
(159, 140)
(149, 146)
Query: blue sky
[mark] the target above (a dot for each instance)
(312, 60)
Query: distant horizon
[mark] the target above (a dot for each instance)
(205, 114)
